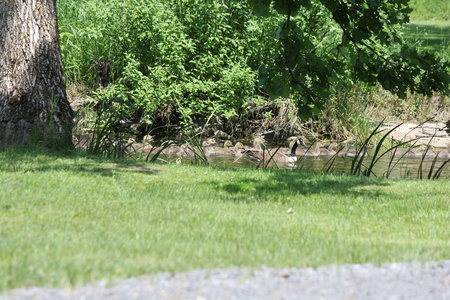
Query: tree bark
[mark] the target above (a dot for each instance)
(33, 99)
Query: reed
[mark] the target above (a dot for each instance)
(271, 160)
(360, 167)
(154, 155)
(110, 132)
(200, 157)
(431, 174)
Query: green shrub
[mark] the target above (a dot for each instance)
(193, 55)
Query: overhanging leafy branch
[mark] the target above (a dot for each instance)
(369, 50)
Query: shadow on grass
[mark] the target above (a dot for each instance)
(37, 160)
(250, 186)
(281, 184)
(432, 36)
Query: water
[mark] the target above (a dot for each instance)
(404, 168)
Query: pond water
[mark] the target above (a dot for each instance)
(404, 168)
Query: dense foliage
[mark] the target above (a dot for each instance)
(197, 56)
(184, 60)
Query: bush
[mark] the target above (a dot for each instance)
(196, 56)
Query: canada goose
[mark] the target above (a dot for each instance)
(187, 150)
(209, 143)
(347, 148)
(292, 140)
(239, 145)
(171, 150)
(267, 155)
(258, 143)
(444, 153)
(353, 152)
(423, 150)
(406, 152)
(147, 139)
(207, 146)
(336, 149)
(227, 144)
(287, 150)
(329, 151)
(315, 150)
(130, 144)
(225, 150)
(238, 149)
(350, 150)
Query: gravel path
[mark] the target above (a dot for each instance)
(391, 281)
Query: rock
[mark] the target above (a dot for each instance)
(423, 133)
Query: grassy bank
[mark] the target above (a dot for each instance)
(66, 220)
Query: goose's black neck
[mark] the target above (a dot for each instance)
(294, 148)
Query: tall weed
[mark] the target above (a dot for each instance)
(358, 168)
(111, 131)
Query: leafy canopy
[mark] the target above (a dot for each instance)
(323, 42)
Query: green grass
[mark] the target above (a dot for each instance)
(431, 35)
(66, 220)
(430, 10)
(430, 26)
(81, 40)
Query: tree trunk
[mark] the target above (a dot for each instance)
(33, 99)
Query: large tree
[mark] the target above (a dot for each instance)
(33, 100)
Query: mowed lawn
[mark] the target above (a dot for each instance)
(70, 219)
(433, 35)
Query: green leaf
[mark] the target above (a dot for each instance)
(263, 70)
(282, 32)
(262, 81)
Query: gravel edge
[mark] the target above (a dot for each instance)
(413, 280)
